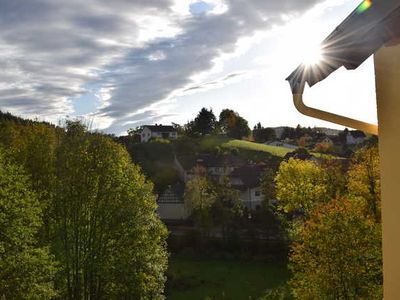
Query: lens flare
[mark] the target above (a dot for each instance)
(365, 5)
(312, 56)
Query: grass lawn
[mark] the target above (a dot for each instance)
(251, 149)
(210, 142)
(197, 279)
(274, 150)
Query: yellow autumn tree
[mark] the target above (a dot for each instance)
(339, 255)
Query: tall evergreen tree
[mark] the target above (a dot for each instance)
(205, 122)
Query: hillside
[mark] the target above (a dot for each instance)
(157, 157)
(210, 142)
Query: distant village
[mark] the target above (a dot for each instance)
(244, 173)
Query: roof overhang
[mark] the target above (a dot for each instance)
(360, 35)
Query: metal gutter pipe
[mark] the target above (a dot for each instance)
(331, 117)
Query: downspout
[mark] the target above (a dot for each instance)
(330, 117)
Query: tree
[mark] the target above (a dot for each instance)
(179, 128)
(233, 125)
(227, 207)
(33, 146)
(268, 185)
(304, 141)
(205, 122)
(26, 270)
(336, 253)
(324, 147)
(135, 131)
(99, 218)
(227, 119)
(364, 180)
(262, 134)
(300, 186)
(339, 255)
(109, 239)
(288, 133)
(199, 198)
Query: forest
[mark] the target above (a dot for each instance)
(77, 217)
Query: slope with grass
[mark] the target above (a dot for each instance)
(210, 142)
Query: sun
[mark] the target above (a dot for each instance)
(304, 48)
(311, 55)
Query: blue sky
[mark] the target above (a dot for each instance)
(121, 64)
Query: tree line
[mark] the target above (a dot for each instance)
(77, 217)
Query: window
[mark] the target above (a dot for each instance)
(257, 193)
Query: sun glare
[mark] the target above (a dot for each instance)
(312, 56)
(303, 48)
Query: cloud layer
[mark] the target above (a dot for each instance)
(136, 53)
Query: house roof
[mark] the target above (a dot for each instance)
(160, 128)
(249, 175)
(173, 194)
(357, 134)
(372, 24)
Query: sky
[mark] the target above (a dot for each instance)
(125, 63)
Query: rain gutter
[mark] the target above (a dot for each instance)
(328, 116)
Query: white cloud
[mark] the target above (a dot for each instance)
(138, 53)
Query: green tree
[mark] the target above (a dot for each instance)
(227, 208)
(199, 198)
(134, 131)
(268, 186)
(339, 254)
(364, 180)
(26, 270)
(233, 125)
(99, 217)
(205, 122)
(33, 146)
(262, 134)
(300, 185)
(110, 241)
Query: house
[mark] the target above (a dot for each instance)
(242, 175)
(327, 131)
(247, 180)
(216, 166)
(373, 28)
(157, 131)
(170, 204)
(355, 137)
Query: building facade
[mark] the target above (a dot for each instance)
(157, 131)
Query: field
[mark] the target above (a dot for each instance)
(199, 279)
(224, 142)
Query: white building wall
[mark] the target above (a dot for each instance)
(252, 197)
(145, 135)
